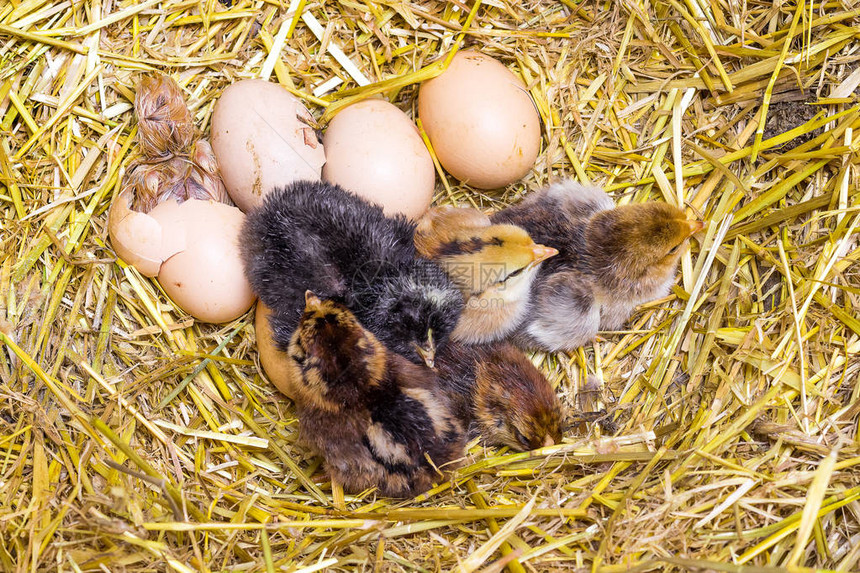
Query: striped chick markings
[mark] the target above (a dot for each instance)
(492, 265)
(377, 419)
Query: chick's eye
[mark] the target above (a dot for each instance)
(510, 275)
(674, 250)
(299, 357)
(516, 272)
(299, 353)
(524, 442)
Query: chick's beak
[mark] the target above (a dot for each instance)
(428, 351)
(427, 355)
(548, 441)
(541, 253)
(695, 227)
(311, 300)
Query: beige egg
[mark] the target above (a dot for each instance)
(481, 121)
(205, 277)
(374, 150)
(262, 138)
(272, 359)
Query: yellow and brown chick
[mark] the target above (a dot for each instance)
(495, 389)
(492, 265)
(610, 260)
(377, 419)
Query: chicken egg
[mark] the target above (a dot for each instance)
(272, 359)
(481, 121)
(263, 137)
(374, 150)
(206, 279)
(193, 250)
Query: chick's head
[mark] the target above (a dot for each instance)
(335, 358)
(442, 225)
(639, 244)
(418, 309)
(516, 406)
(476, 254)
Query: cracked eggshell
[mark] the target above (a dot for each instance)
(262, 138)
(139, 238)
(272, 359)
(481, 121)
(374, 150)
(193, 250)
(205, 278)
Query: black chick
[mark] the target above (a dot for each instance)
(609, 260)
(377, 419)
(316, 235)
(497, 390)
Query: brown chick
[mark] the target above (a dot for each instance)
(377, 419)
(492, 265)
(174, 163)
(180, 177)
(610, 260)
(164, 123)
(497, 390)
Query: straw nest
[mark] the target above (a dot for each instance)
(133, 438)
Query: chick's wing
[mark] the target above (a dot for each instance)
(568, 295)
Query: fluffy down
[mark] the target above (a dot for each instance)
(316, 235)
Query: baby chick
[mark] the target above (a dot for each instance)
(182, 177)
(376, 419)
(165, 127)
(316, 235)
(610, 260)
(498, 390)
(492, 265)
(174, 163)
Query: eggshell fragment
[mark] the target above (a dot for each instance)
(262, 138)
(374, 150)
(272, 359)
(206, 278)
(139, 238)
(481, 121)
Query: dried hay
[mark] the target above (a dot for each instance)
(132, 438)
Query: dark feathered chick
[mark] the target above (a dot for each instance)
(492, 265)
(610, 260)
(316, 235)
(372, 415)
(496, 388)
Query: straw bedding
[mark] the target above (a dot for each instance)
(718, 433)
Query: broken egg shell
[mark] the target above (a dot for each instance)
(138, 238)
(481, 121)
(272, 359)
(193, 250)
(263, 137)
(206, 278)
(374, 150)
